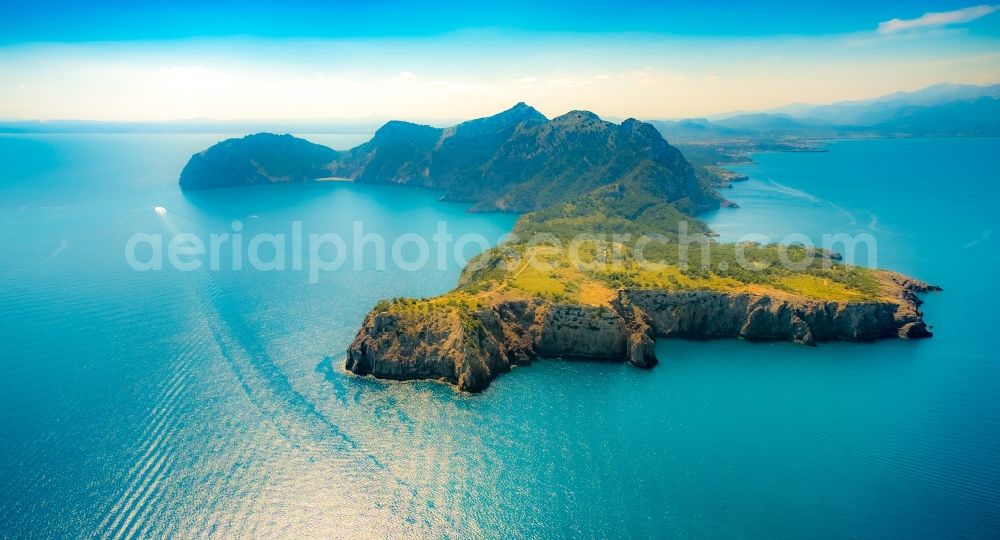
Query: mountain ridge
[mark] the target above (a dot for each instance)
(516, 160)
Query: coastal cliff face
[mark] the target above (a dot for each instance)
(470, 349)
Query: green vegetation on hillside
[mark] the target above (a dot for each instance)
(609, 207)
(519, 161)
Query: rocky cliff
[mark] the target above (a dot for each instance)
(470, 348)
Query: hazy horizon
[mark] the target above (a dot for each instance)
(372, 119)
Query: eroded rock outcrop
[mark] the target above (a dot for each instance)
(470, 348)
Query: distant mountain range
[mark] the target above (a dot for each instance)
(943, 109)
(875, 110)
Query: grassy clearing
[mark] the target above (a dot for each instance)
(820, 288)
(596, 272)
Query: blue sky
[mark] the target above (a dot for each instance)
(47, 20)
(174, 60)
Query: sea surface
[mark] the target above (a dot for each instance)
(184, 403)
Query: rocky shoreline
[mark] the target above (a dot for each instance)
(470, 348)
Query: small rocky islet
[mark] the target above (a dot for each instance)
(574, 174)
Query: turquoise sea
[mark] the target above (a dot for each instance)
(180, 404)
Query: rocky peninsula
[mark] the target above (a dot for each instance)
(470, 346)
(575, 176)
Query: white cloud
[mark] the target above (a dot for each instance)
(935, 19)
